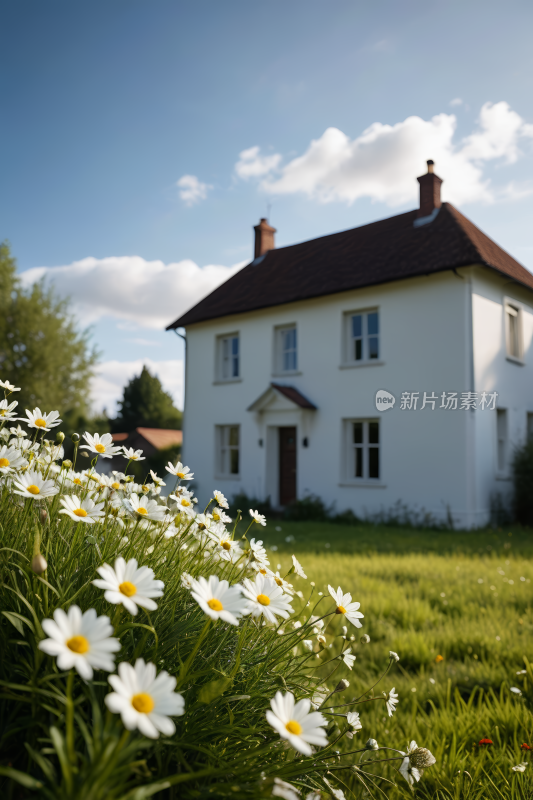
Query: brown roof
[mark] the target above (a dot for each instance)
(160, 438)
(384, 251)
(293, 394)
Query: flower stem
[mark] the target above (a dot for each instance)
(70, 719)
(185, 667)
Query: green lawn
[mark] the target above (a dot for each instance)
(465, 597)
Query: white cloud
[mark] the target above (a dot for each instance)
(253, 165)
(384, 160)
(457, 101)
(149, 293)
(111, 377)
(192, 190)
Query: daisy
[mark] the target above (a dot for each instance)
(392, 701)
(219, 600)
(9, 387)
(101, 445)
(285, 585)
(285, 790)
(416, 760)
(80, 640)
(144, 508)
(266, 598)
(345, 606)
(296, 723)
(180, 471)
(133, 455)
(257, 517)
(228, 549)
(38, 419)
(258, 552)
(219, 515)
(187, 580)
(81, 510)
(185, 504)
(221, 500)
(156, 479)
(11, 459)
(18, 432)
(348, 658)
(129, 585)
(354, 720)
(394, 656)
(298, 568)
(143, 700)
(33, 485)
(520, 767)
(6, 410)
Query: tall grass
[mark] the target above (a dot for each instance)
(458, 609)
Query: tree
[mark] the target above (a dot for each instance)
(145, 403)
(41, 349)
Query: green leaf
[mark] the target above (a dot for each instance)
(214, 689)
(17, 620)
(21, 777)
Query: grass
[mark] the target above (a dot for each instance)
(463, 597)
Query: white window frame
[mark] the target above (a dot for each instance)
(365, 338)
(364, 447)
(224, 447)
(226, 359)
(285, 359)
(514, 330)
(502, 441)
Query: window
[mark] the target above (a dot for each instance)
(228, 358)
(286, 343)
(513, 330)
(501, 431)
(228, 437)
(363, 450)
(362, 337)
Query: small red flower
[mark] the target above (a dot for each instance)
(525, 746)
(485, 742)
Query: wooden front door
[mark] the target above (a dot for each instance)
(287, 465)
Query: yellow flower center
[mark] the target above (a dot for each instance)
(77, 481)
(80, 512)
(4, 462)
(115, 485)
(78, 644)
(181, 474)
(294, 727)
(142, 703)
(100, 448)
(215, 605)
(278, 580)
(3, 412)
(263, 571)
(142, 510)
(40, 423)
(226, 545)
(129, 589)
(34, 489)
(216, 516)
(145, 488)
(263, 599)
(340, 610)
(185, 502)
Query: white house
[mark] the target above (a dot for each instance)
(389, 362)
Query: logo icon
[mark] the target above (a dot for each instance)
(384, 400)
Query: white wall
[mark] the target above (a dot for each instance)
(495, 372)
(427, 456)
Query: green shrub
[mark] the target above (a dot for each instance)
(523, 483)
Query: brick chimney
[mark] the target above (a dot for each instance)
(429, 192)
(264, 238)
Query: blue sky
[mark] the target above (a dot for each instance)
(106, 106)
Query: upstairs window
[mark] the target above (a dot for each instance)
(228, 357)
(228, 449)
(362, 337)
(286, 344)
(513, 330)
(363, 449)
